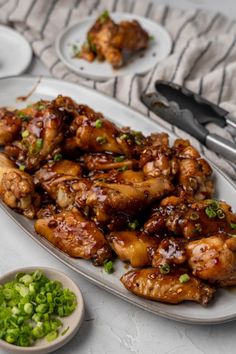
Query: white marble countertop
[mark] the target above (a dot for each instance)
(111, 325)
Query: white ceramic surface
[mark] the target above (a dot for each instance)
(73, 321)
(223, 309)
(15, 53)
(159, 48)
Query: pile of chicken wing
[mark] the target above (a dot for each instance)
(113, 42)
(98, 192)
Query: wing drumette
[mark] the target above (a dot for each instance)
(214, 259)
(40, 137)
(17, 188)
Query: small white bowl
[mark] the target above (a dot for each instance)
(73, 321)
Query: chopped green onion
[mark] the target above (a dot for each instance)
(220, 214)
(198, 228)
(233, 226)
(210, 212)
(25, 134)
(40, 106)
(103, 17)
(124, 137)
(164, 268)
(37, 331)
(57, 157)
(119, 158)
(75, 49)
(122, 169)
(22, 116)
(213, 203)
(184, 278)
(22, 167)
(108, 267)
(231, 235)
(103, 180)
(37, 275)
(38, 144)
(133, 225)
(29, 305)
(41, 299)
(101, 140)
(194, 216)
(28, 308)
(151, 38)
(26, 279)
(65, 331)
(98, 123)
(51, 336)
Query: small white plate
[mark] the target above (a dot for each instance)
(158, 49)
(73, 321)
(15, 54)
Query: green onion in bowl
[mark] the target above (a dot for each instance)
(40, 310)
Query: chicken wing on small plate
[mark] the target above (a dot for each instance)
(109, 41)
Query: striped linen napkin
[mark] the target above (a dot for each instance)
(203, 56)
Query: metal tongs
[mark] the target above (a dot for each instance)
(191, 112)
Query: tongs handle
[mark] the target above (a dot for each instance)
(221, 146)
(171, 112)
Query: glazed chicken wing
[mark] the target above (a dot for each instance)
(153, 285)
(132, 246)
(103, 162)
(170, 251)
(40, 137)
(191, 219)
(114, 42)
(76, 236)
(106, 199)
(214, 259)
(62, 180)
(17, 188)
(10, 126)
(157, 158)
(91, 132)
(193, 171)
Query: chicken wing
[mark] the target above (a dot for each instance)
(132, 246)
(193, 171)
(104, 162)
(170, 251)
(17, 188)
(157, 158)
(106, 199)
(10, 126)
(189, 218)
(168, 288)
(113, 42)
(91, 132)
(213, 259)
(74, 235)
(62, 180)
(40, 137)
